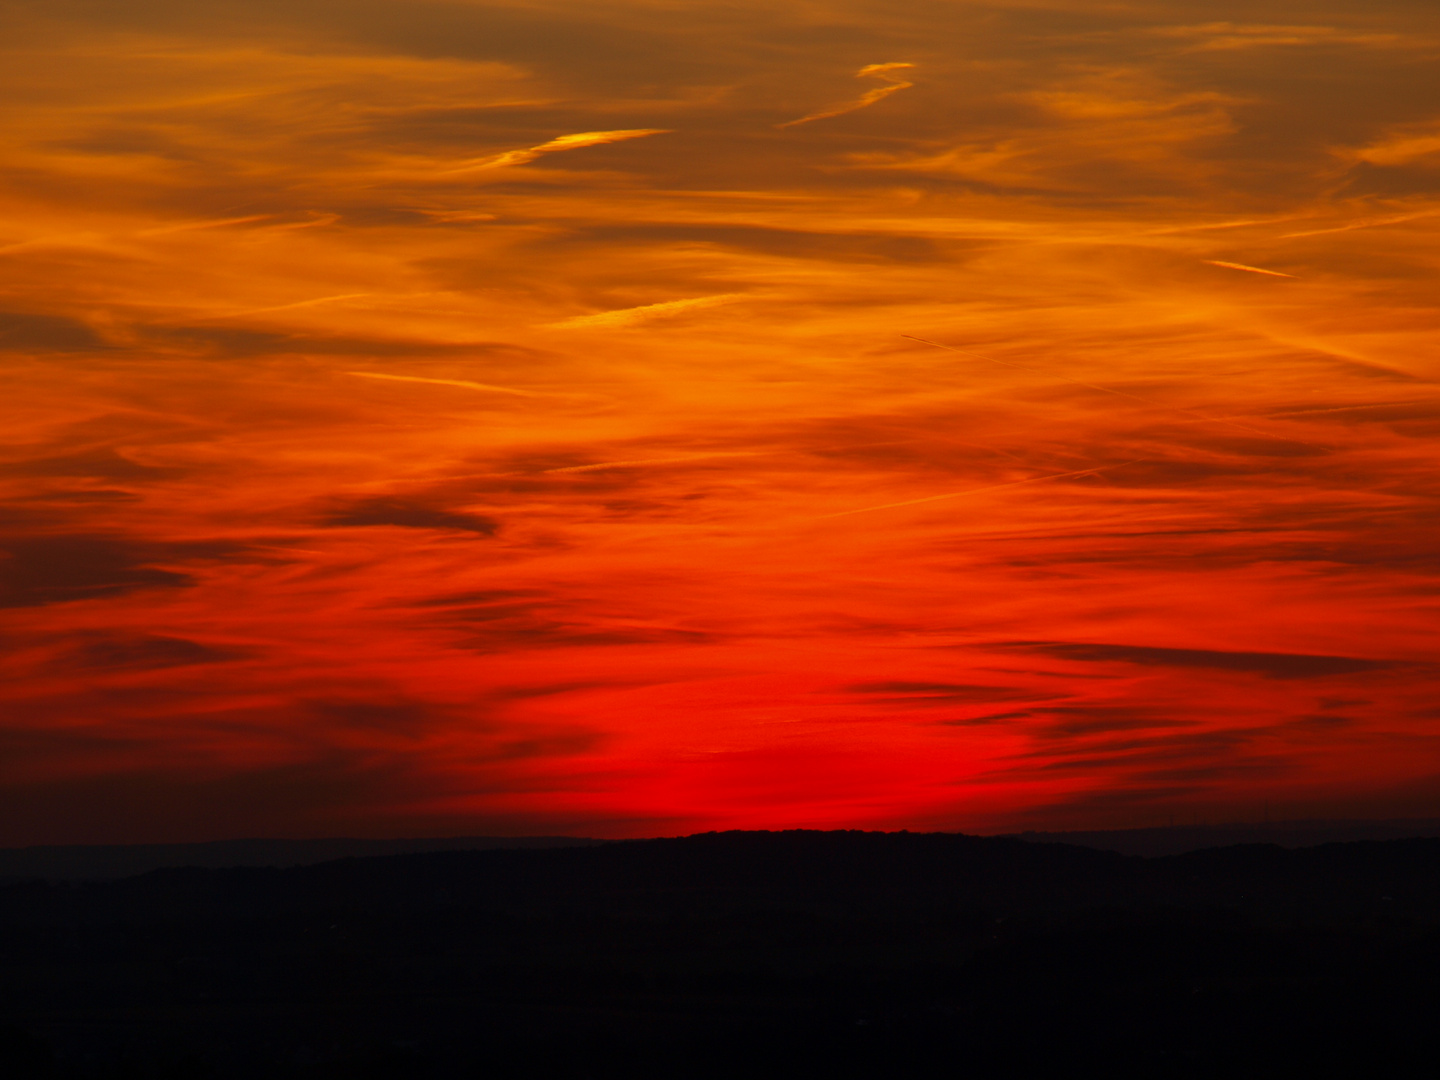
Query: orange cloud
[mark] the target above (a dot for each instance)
(562, 142)
(1228, 36)
(870, 97)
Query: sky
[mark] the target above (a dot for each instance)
(447, 417)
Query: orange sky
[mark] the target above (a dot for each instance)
(648, 417)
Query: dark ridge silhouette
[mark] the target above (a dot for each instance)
(1178, 839)
(736, 955)
(92, 862)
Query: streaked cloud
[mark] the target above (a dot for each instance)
(885, 72)
(466, 383)
(644, 313)
(978, 491)
(1400, 148)
(1229, 36)
(563, 142)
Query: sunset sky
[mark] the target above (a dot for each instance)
(637, 418)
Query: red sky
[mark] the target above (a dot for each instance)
(460, 417)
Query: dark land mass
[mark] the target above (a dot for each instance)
(95, 862)
(737, 955)
(1178, 839)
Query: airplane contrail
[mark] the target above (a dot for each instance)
(279, 307)
(627, 316)
(91, 237)
(1249, 269)
(563, 142)
(1350, 408)
(1368, 223)
(297, 304)
(870, 97)
(1227, 225)
(214, 223)
(451, 382)
(663, 460)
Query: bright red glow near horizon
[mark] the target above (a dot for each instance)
(451, 417)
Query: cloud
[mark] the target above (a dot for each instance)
(562, 142)
(143, 652)
(824, 244)
(23, 331)
(1081, 132)
(1271, 665)
(105, 462)
(1403, 147)
(930, 695)
(980, 490)
(54, 569)
(405, 514)
(508, 623)
(870, 97)
(1228, 36)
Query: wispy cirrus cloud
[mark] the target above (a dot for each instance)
(885, 72)
(556, 145)
(644, 313)
(1230, 36)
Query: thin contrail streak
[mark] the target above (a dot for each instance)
(1369, 223)
(663, 460)
(279, 307)
(622, 317)
(676, 460)
(297, 304)
(1225, 225)
(212, 224)
(979, 490)
(1354, 408)
(721, 454)
(449, 382)
(188, 226)
(1120, 393)
(1247, 269)
(1334, 409)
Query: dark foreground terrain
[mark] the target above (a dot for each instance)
(737, 955)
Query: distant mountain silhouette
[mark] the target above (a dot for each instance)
(1178, 839)
(736, 956)
(93, 862)
(97, 862)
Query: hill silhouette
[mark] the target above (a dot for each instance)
(1178, 839)
(789, 954)
(92, 862)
